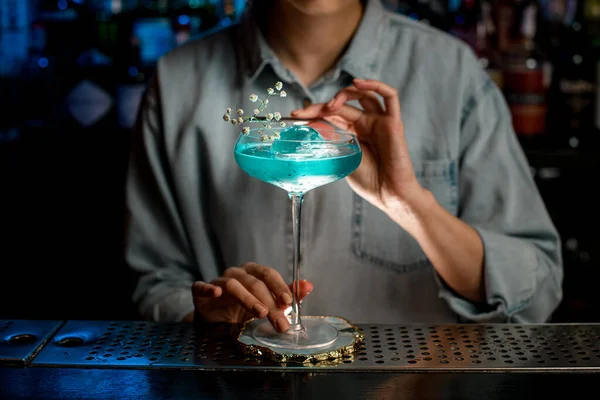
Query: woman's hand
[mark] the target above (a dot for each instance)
(386, 179)
(251, 290)
(385, 176)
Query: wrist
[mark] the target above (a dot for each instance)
(412, 210)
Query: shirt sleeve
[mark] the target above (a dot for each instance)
(156, 246)
(500, 200)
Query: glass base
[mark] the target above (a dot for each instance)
(316, 333)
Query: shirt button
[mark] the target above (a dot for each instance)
(306, 102)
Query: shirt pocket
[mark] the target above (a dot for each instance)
(379, 240)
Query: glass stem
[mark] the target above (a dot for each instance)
(296, 319)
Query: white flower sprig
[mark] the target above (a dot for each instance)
(266, 121)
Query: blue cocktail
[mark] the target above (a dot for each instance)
(299, 157)
(302, 165)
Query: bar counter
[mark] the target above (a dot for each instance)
(146, 360)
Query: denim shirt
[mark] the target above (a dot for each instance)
(193, 212)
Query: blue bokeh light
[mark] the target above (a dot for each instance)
(183, 20)
(43, 62)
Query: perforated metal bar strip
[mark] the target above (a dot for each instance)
(386, 347)
(21, 339)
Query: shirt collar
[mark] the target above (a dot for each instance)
(362, 59)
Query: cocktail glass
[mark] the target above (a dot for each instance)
(298, 164)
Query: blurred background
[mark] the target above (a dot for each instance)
(72, 73)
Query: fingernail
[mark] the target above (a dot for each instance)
(359, 80)
(259, 310)
(294, 112)
(282, 324)
(311, 289)
(286, 298)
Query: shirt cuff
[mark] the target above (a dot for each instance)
(509, 277)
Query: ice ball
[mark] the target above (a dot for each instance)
(295, 140)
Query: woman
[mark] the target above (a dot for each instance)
(442, 221)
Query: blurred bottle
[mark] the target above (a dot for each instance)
(525, 75)
(465, 17)
(111, 21)
(573, 89)
(557, 17)
(15, 43)
(592, 19)
(488, 55)
(39, 82)
(131, 78)
(14, 36)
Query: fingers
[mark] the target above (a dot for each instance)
(203, 289)
(367, 99)
(273, 280)
(350, 113)
(260, 291)
(364, 91)
(279, 290)
(311, 111)
(234, 288)
(389, 94)
(305, 288)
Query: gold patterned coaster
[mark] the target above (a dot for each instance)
(347, 342)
